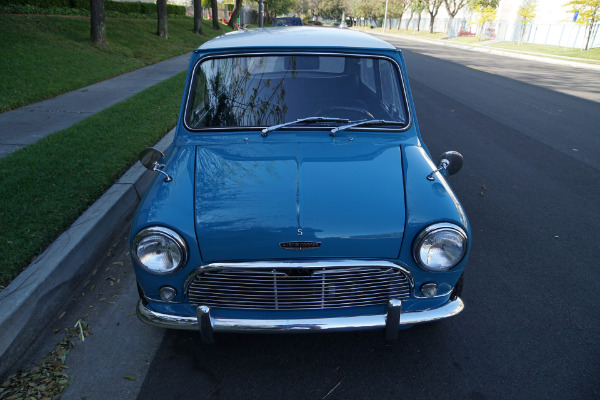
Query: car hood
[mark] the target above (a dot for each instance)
(347, 199)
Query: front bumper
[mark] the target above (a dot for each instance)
(391, 321)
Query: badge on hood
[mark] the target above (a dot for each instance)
(299, 245)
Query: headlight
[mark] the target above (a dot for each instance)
(159, 250)
(440, 247)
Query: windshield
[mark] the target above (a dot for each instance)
(259, 90)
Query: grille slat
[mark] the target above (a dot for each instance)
(305, 298)
(303, 287)
(298, 288)
(315, 305)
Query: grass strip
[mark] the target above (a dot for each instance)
(560, 51)
(591, 55)
(45, 55)
(46, 186)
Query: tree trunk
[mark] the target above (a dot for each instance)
(267, 18)
(97, 27)
(400, 19)
(235, 14)
(419, 23)
(161, 11)
(589, 34)
(409, 19)
(522, 35)
(197, 17)
(431, 22)
(215, 14)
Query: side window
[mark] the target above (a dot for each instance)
(367, 73)
(390, 90)
(389, 83)
(199, 104)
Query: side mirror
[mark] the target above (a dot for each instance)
(150, 157)
(449, 163)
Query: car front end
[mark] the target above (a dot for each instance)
(297, 195)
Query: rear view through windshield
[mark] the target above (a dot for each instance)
(258, 91)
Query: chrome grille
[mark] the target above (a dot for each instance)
(298, 288)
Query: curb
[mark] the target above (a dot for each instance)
(35, 297)
(547, 60)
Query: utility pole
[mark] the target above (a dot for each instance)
(261, 11)
(385, 15)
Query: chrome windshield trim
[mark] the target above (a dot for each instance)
(451, 308)
(340, 53)
(306, 264)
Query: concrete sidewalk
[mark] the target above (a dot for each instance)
(28, 124)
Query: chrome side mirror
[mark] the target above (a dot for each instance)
(150, 157)
(449, 163)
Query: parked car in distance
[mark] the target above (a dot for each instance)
(287, 21)
(298, 194)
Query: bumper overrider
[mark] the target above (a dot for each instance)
(207, 324)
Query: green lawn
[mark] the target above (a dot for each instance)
(591, 54)
(46, 186)
(43, 56)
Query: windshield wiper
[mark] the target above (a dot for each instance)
(363, 123)
(311, 120)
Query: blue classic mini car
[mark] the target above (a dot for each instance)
(297, 194)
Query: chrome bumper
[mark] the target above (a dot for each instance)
(207, 323)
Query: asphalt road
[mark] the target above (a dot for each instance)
(529, 133)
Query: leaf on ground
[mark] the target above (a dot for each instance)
(130, 377)
(46, 380)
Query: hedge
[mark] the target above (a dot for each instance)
(124, 8)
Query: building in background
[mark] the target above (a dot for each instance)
(553, 24)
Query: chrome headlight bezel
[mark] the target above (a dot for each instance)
(437, 231)
(173, 244)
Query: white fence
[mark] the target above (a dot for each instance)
(568, 34)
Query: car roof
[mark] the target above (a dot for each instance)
(296, 36)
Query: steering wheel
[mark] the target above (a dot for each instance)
(352, 113)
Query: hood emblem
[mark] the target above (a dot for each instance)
(299, 245)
